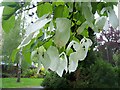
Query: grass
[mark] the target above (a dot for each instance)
(25, 82)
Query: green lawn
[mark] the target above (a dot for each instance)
(25, 82)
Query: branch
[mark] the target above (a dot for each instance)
(30, 8)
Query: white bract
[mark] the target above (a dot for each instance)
(73, 62)
(54, 57)
(106, 26)
(80, 54)
(113, 18)
(100, 22)
(26, 41)
(63, 64)
(40, 23)
(33, 29)
(51, 59)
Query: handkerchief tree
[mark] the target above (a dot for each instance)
(59, 38)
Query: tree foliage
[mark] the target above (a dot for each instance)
(60, 37)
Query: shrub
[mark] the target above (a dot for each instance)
(100, 74)
(103, 75)
(52, 80)
(32, 73)
(29, 73)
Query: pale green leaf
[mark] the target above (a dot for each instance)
(87, 12)
(63, 31)
(100, 22)
(41, 50)
(95, 28)
(81, 28)
(46, 61)
(33, 54)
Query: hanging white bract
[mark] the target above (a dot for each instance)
(51, 59)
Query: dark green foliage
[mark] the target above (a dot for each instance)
(52, 80)
(103, 75)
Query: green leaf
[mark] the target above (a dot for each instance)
(8, 12)
(10, 4)
(26, 55)
(26, 52)
(100, 6)
(85, 33)
(63, 31)
(13, 55)
(47, 44)
(87, 12)
(94, 6)
(44, 9)
(61, 11)
(78, 6)
(8, 24)
(59, 2)
(70, 4)
(66, 11)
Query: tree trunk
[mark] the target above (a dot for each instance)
(19, 67)
(18, 75)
